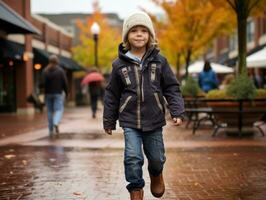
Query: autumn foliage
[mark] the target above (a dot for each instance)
(108, 41)
(189, 28)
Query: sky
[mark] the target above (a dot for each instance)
(121, 7)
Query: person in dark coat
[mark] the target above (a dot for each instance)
(95, 90)
(54, 82)
(140, 79)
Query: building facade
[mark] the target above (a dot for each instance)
(225, 48)
(26, 43)
(68, 21)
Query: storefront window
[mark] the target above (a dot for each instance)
(7, 87)
(233, 42)
(250, 31)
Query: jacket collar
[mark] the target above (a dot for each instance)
(149, 55)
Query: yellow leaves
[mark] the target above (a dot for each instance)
(9, 156)
(190, 26)
(77, 193)
(24, 162)
(196, 184)
(108, 40)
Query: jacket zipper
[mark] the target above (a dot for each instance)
(158, 101)
(138, 95)
(125, 104)
(142, 88)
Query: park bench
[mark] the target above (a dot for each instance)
(199, 110)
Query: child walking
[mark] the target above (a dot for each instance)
(140, 79)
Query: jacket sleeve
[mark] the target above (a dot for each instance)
(171, 91)
(112, 100)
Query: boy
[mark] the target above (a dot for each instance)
(134, 95)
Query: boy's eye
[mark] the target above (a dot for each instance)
(144, 30)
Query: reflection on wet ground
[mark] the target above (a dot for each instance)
(224, 173)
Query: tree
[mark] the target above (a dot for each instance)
(242, 9)
(190, 27)
(109, 39)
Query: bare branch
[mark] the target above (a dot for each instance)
(231, 4)
(250, 8)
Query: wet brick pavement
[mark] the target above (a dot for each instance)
(86, 164)
(200, 174)
(13, 124)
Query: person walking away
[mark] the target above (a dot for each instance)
(54, 83)
(207, 78)
(95, 94)
(140, 79)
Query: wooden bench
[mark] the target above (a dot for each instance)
(196, 107)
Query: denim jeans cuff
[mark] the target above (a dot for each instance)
(131, 187)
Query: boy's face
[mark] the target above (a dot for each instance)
(138, 37)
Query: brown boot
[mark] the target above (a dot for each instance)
(136, 194)
(157, 185)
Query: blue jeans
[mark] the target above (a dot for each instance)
(153, 147)
(55, 109)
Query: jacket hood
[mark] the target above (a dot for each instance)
(150, 53)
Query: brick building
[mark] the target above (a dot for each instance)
(26, 43)
(225, 48)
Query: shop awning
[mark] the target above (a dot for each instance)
(12, 22)
(257, 59)
(11, 50)
(70, 64)
(42, 57)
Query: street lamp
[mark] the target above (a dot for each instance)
(95, 30)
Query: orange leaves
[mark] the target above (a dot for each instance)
(190, 25)
(108, 40)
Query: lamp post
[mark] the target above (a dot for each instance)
(95, 30)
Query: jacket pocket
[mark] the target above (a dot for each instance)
(158, 101)
(125, 104)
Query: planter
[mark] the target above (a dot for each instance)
(239, 116)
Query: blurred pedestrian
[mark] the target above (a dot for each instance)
(95, 90)
(207, 78)
(54, 83)
(258, 78)
(140, 78)
(226, 81)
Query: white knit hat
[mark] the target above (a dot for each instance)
(137, 18)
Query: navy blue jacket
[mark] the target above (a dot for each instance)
(135, 95)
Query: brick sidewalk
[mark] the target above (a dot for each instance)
(84, 163)
(57, 173)
(78, 129)
(12, 124)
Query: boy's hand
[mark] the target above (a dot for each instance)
(108, 131)
(177, 121)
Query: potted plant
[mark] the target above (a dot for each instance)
(191, 89)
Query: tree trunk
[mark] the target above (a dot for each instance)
(242, 43)
(188, 55)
